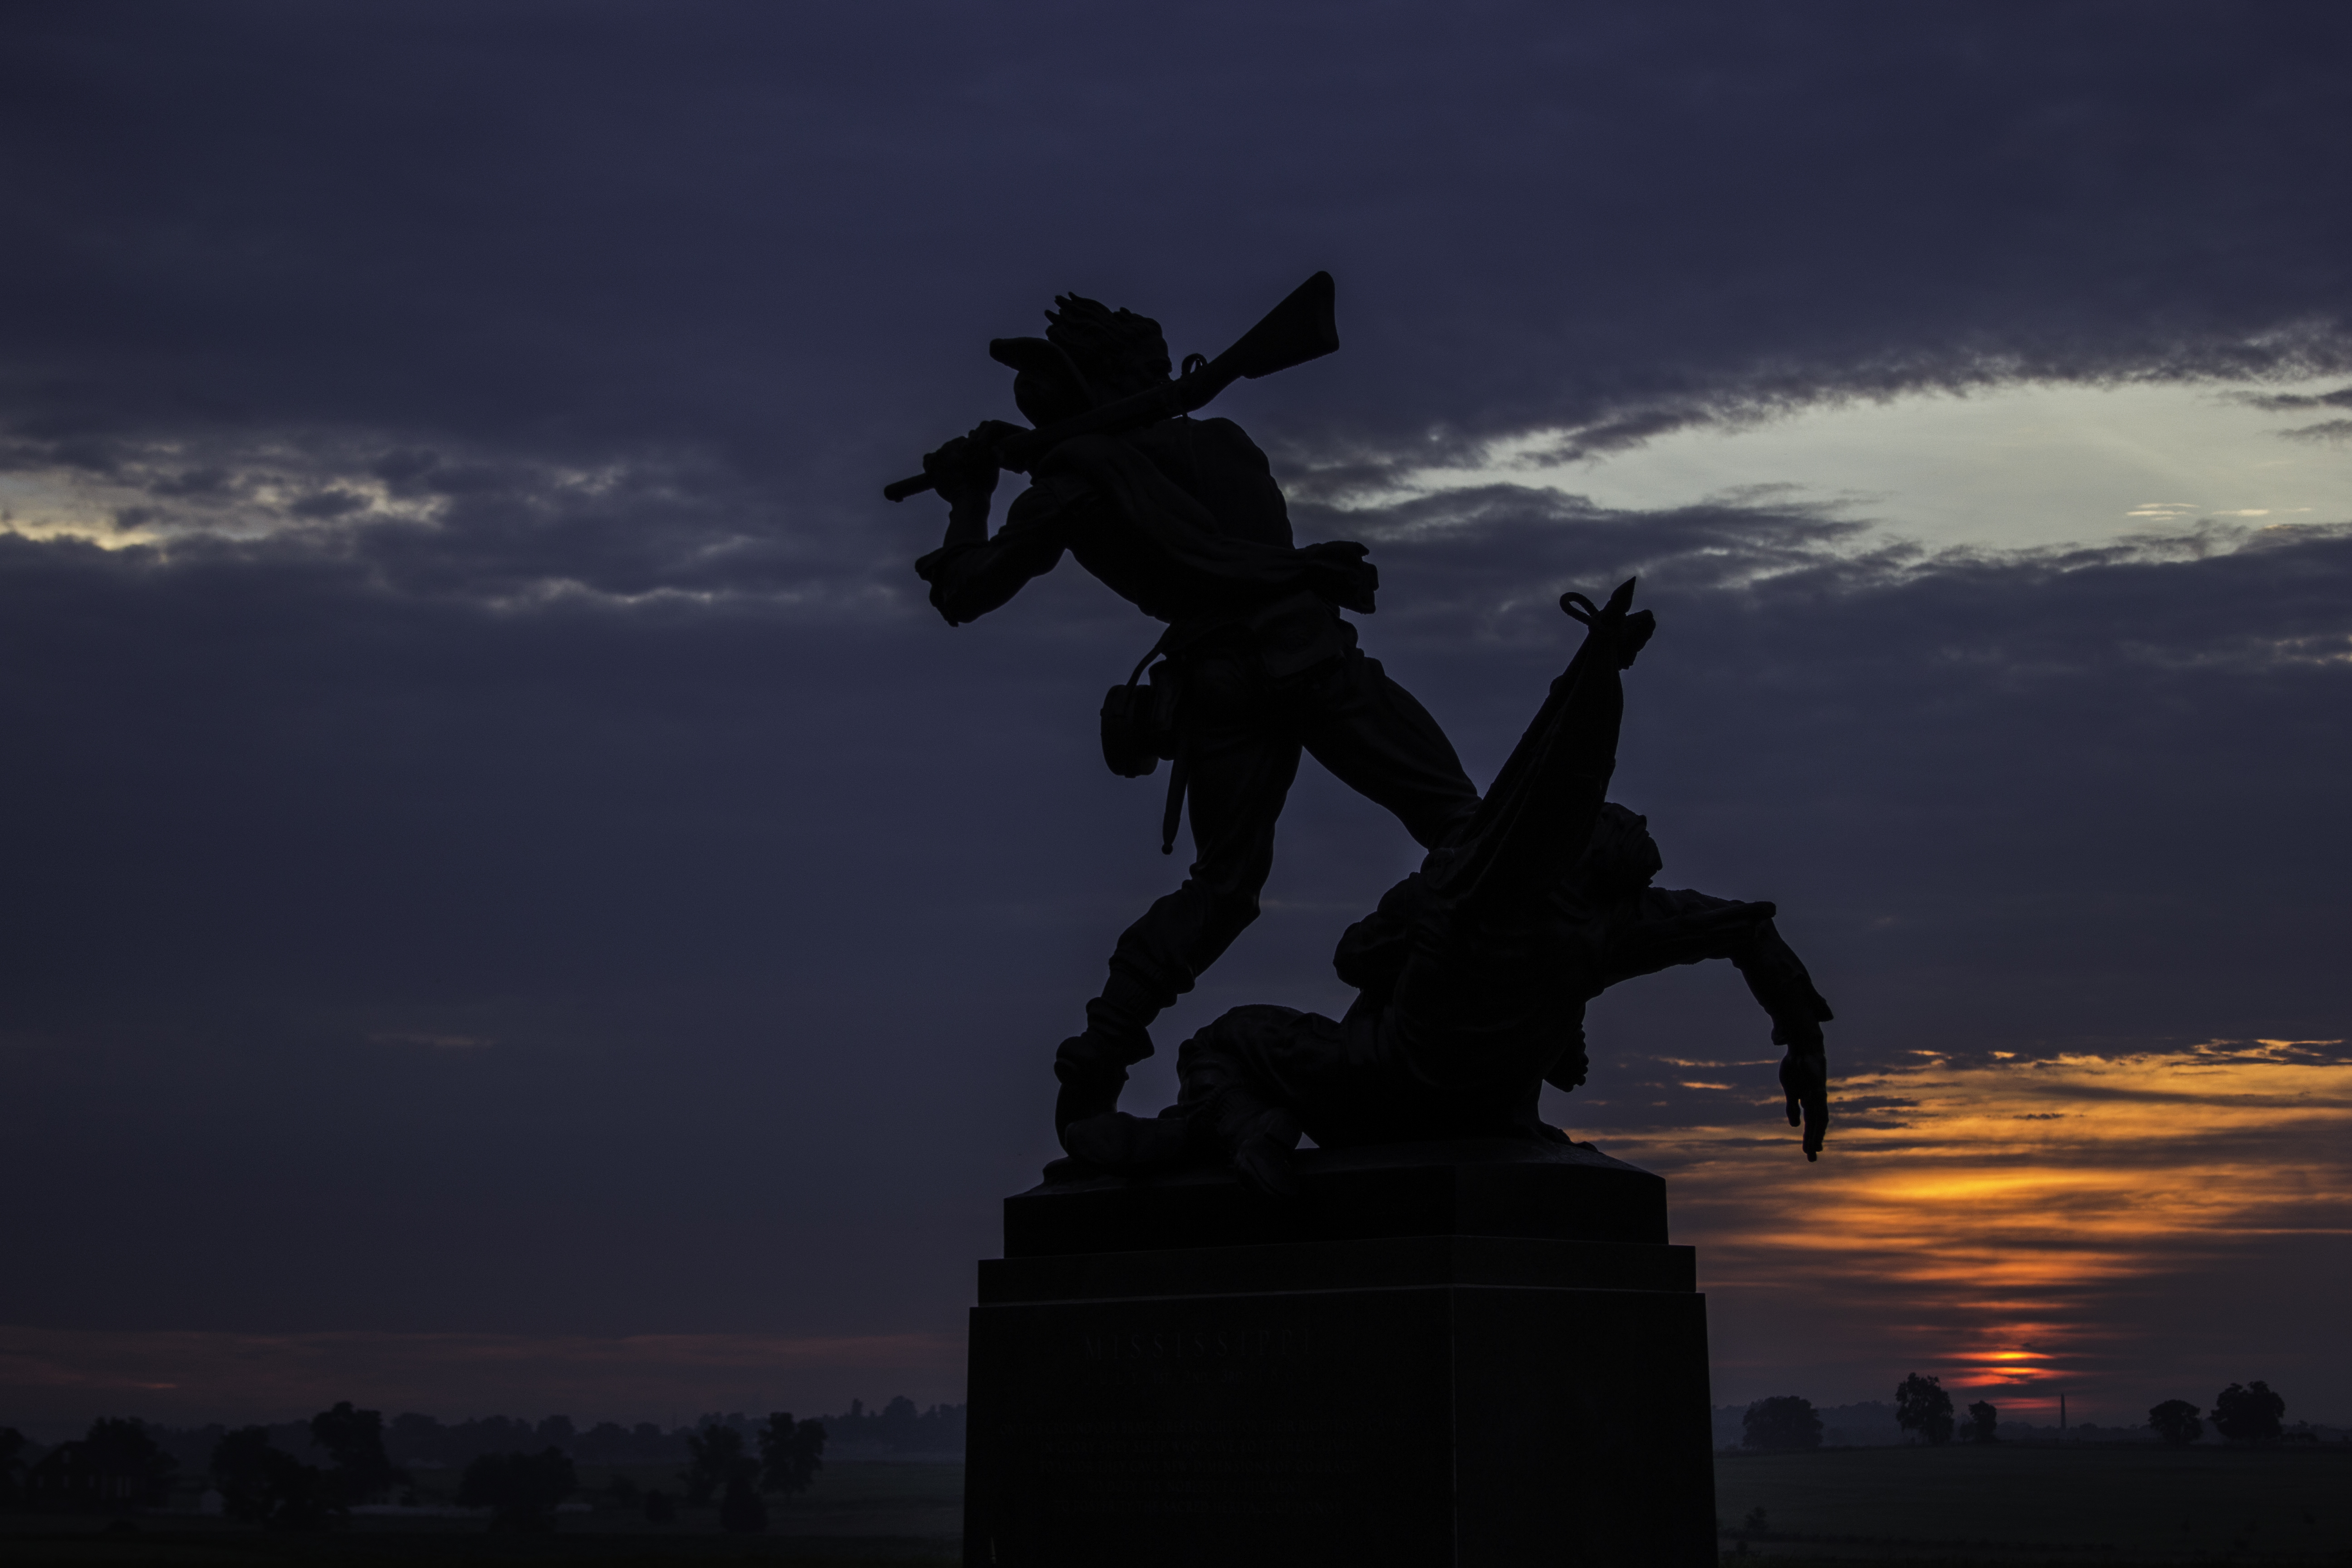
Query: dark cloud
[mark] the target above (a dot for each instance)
(2326, 430)
(191, 482)
(741, 906)
(503, 819)
(2340, 398)
(782, 238)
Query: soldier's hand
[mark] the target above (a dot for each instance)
(1805, 1079)
(965, 470)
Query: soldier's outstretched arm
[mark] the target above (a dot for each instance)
(1777, 979)
(1685, 927)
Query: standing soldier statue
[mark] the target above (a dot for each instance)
(1182, 518)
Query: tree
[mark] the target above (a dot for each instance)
(1785, 1422)
(12, 1459)
(2249, 1413)
(263, 1485)
(520, 1489)
(240, 1473)
(2176, 1421)
(791, 1453)
(743, 1513)
(1985, 1418)
(718, 1457)
(659, 1509)
(354, 1440)
(1921, 1405)
(116, 1466)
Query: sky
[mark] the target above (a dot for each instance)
(515, 904)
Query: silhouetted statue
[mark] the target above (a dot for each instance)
(1474, 974)
(1182, 518)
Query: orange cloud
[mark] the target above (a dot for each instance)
(2111, 1225)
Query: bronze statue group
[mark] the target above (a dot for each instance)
(1473, 973)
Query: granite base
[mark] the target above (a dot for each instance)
(1497, 1360)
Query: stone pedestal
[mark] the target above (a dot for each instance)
(1473, 1354)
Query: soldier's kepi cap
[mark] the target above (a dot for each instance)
(1047, 384)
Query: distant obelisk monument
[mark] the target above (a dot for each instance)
(1448, 1333)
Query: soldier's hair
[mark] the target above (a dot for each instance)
(1101, 339)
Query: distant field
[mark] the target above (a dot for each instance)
(2010, 1502)
(864, 1514)
(2116, 1508)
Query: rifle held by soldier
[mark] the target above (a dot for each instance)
(1301, 328)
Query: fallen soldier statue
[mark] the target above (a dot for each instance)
(1474, 974)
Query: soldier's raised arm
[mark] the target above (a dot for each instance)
(971, 573)
(963, 473)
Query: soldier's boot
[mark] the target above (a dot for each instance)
(1090, 1079)
(1092, 1066)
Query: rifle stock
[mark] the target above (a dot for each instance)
(1303, 327)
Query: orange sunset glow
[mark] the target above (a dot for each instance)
(2104, 1225)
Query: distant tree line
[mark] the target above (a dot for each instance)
(2252, 1414)
(900, 1425)
(2244, 1412)
(424, 1442)
(521, 1470)
(114, 1467)
(1921, 1405)
(1784, 1422)
(260, 1482)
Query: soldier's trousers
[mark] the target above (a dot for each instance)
(1244, 733)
